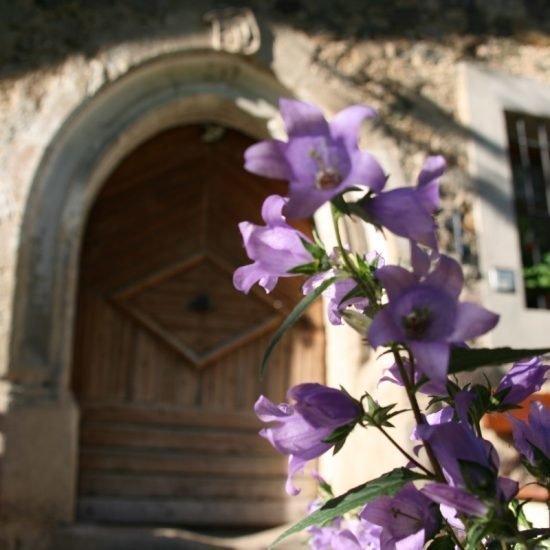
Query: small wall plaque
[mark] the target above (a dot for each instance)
(502, 280)
(234, 30)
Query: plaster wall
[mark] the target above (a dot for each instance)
(411, 78)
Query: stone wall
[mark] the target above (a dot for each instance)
(399, 56)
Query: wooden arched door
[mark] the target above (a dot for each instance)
(167, 352)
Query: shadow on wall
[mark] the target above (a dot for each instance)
(39, 33)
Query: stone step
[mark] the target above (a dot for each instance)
(99, 537)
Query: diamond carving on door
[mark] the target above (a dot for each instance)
(192, 309)
(167, 352)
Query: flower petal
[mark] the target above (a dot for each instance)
(304, 200)
(346, 124)
(268, 282)
(383, 329)
(295, 465)
(420, 261)
(272, 211)
(267, 411)
(472, 321)
(395, 280)
(507, 488)
(522, 380)
(432, 358)
(401, 212)
(366, 171)
(447, 274)
(455, 497)
(315, 281)
(302, 119)
(378, 511)
(266, 159)
(428, 182)
(322, 406)
(246, 277)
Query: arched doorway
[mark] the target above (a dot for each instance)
(166, 352)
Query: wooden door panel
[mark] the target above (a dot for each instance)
(165, 486)
(192, 511)
(175, 438)
(167, 352)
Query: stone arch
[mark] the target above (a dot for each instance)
(166, 92)
(42, 419)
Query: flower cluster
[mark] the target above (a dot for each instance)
(449, 492)
(301, 430)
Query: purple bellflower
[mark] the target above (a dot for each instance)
(275, 248)
(407, 211)
(532, 440)
(424, 313)
(407, 519)
(393, 375)
(335, 295)
(320, 160)
(522, 380)
(334, 538)
(345, 534)
(300, 429)
(470, 466)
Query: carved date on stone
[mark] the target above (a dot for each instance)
(234, 30)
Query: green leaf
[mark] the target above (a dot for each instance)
(463, 359)
(339, 433)
(387, 484)
(292, 318)
(305, 269)
(339, 206)
(317, 251)
(538, 533)
(355, 292)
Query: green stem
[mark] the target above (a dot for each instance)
(478, 429)
(453, 535)
(416, 411)
(347, 261)
(403, 451)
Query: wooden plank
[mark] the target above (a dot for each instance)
(189, 511)
(162, 415)
(93, 483)
(152, 425)
(212, 441)
(114, 460)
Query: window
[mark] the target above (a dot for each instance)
(529, 154)
(507, 118)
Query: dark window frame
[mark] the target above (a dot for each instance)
(529, 156)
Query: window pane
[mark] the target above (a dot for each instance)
(528, 140)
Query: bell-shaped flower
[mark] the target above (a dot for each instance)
(276, 248)
(454, 444)
(408, 519)
(470, 466)
(455, 498)
(335, 295)
(392, 374)
(345, 534)
(320, 160)
(409, 211)
(300, 430)
(532, 439)
(424, 313)
(521, 381)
